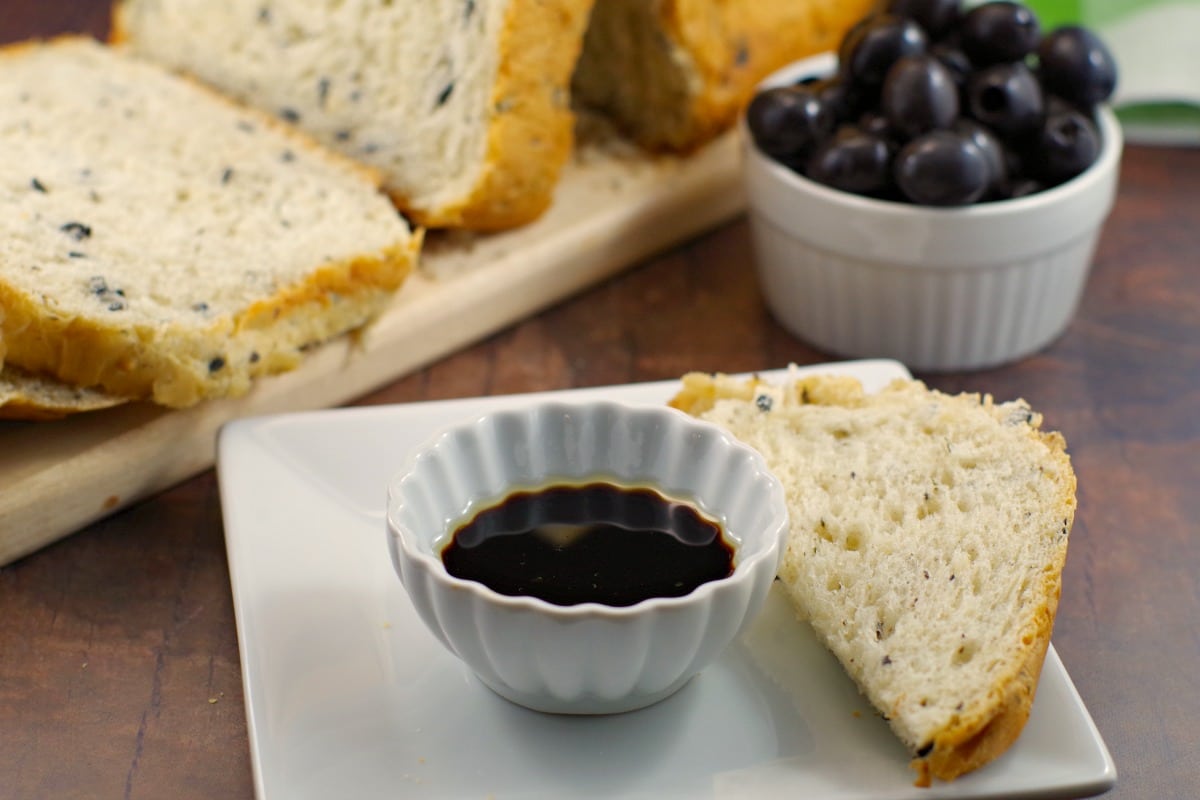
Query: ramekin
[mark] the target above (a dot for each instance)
(937, 288)
(587, 658)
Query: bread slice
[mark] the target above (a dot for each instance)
(928, 537)
(160, 242)
(675, 73)
(463, 106)
(24, 396)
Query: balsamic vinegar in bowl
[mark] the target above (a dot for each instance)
(597, 542)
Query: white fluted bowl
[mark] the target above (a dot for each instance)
(936, 288)
(587, 658)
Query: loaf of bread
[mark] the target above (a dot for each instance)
(928, 537)
(463, 106)
(160, 242)
(674, 73)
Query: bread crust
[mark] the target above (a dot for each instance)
(168, 366)
(32, 398)
(982, 737)
(734, 45)
(974, 741)
(531, 127)
(726, 48)
(969, 745)
(991, 724)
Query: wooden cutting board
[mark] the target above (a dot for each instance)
(612, 209)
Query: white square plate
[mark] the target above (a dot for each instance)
(348, 695)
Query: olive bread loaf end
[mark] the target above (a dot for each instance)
(675, 73)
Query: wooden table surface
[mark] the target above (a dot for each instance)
(119, 672)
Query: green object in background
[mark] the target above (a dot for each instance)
(1055, 13)
(1161, 123)
(1157, 52)
(1093, 13)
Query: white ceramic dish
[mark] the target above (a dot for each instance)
(587, 658)
(937, 288)
(349, 695)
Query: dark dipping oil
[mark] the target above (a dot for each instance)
(590, 543)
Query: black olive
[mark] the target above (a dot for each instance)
(838, 95)
(76, 230)
(942, 168)
(919, 95)
(853, 161)
(1074, 64)
(1007, 98)
(999, 31)
(787, 121)
(877, 46)
(992, 149)
(850, 39)
(1067, 144)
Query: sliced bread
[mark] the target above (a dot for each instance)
(674, 73)
(928, 537)
(162, 243)
(25, 396)
(462, 106)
